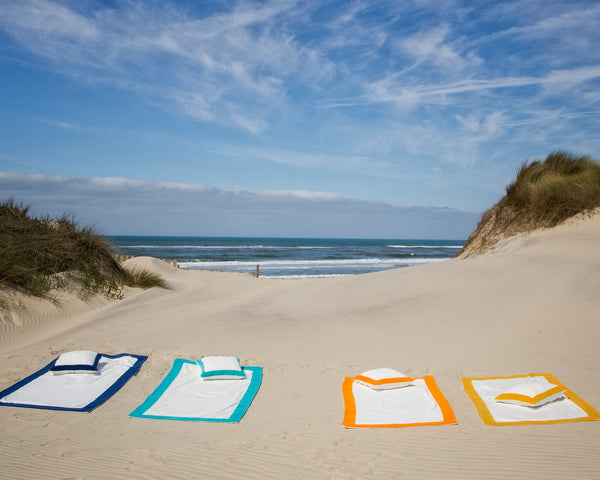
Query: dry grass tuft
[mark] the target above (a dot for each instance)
(36, 255)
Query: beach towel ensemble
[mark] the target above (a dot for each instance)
(387, 398)
(213, 389)
(77, 381)
(535, 398)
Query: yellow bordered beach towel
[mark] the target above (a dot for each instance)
(418, 404)
(536, 398)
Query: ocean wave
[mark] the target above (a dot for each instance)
(226, 247)
(425, 246)
(308, 275)
(304, 264)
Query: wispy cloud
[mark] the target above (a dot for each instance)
(236, 65)
(374, 90)
(571, 27)
(434, 47)
(209, 68)
(392, 90)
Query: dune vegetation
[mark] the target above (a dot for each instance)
(38, 255)
(543, 195)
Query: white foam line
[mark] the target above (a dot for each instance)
(303, 264)
(299, 277)
(225, 247)
(425, 246)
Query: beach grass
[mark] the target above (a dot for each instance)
(41, 254)
(543, 195)
(143, 279)
(547, 193)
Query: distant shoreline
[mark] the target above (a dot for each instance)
(289, 257)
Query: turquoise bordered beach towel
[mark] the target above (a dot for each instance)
(183, 395)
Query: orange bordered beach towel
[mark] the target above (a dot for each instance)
(420, 403)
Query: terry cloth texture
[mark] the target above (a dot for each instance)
(419, 404)
(80, 392)
(483, 393)
(185, 395)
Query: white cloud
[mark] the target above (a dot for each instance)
(41, 18)
(433, 46)
(562, 80)
(26, 180)
(390, 89)
(565, 26)
(301, 194)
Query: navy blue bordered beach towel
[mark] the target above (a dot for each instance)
(79, 392)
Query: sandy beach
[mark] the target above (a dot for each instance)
(530, 306)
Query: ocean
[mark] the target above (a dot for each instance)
(289, 257)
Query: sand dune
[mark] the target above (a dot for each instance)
(532, 306)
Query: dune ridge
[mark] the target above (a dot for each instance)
(530, 306)
(544, 194)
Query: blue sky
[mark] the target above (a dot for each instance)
(308, 118)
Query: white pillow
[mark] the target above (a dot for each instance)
(221, 368)
(383, 379)
(531, 394)
(79, 361)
